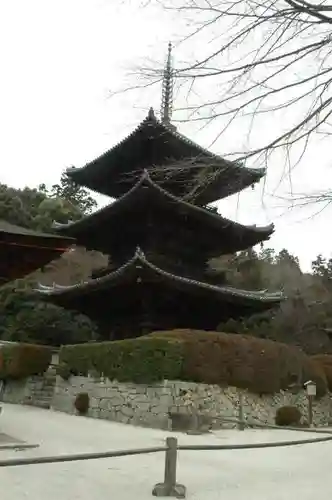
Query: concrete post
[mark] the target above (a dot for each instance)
(169, 488)
(241, 423)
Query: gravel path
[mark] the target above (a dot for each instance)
(302, 472)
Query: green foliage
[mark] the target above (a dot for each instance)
(22, 318)
(23, 360)
(141, 360)
(258, 365)
(63, 371)
(82, 403)
(18, 206)
(288, 416)
(76, 196)
(37, 209)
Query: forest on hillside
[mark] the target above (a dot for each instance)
(22, 318)
(304, 319)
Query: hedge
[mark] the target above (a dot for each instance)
(324, 361)
(141, 360)
(23, 360)
(259, 365)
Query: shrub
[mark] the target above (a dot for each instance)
(143, 360)
(288, 416)
(82, 403)
(324, 362)
(64, 371)
(23, 360)
(259, 365)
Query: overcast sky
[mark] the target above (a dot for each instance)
(59, 62)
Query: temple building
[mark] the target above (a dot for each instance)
(160, 235)
(23, 251)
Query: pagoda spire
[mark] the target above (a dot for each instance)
(167, 89)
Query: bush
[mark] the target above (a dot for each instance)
(64, 371)
(23, 360)
(143, 360)
(324, 362)
(259, 365)
(288, 416)
(82, 403)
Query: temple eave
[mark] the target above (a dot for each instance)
(28, 250)
(139, 298)
(219, 235)
(119, 179)
(139, 271)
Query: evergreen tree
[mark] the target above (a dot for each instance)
(74, 195)
(22, 316)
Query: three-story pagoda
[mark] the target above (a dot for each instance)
(160, 235)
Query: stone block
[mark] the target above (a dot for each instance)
(142, 406)
(127, 411)
(204, 423)
(99, 391)
(155, 422)
(117, 400)
(181, 422)
(94, 413)
(141, 389)
(160, 410)
(94, 402)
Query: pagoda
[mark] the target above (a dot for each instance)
(23, 251)
(160, 234)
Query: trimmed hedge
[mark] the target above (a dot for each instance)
(23, 360)
(261, 366)
(324, 361)
(140, 360)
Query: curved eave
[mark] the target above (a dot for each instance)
(214, 221)
(11, 234)
(18, 261)
(219, 189)
(139, 264)
(23, 251)
(221, 186)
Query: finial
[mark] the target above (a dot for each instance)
(167, 89)
(151, 115)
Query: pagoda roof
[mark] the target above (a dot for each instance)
(23, 251)
(103, 229)
(138, 268)
(173, 159)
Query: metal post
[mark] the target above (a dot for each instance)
(241, 425)
(169, 488)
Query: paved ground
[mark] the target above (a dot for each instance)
(5, 439)
(302, 472)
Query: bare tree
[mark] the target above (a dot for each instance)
(268, 57)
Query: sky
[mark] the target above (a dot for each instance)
(61, 63)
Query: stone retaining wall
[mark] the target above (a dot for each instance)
(35, 391)
(178, 405)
